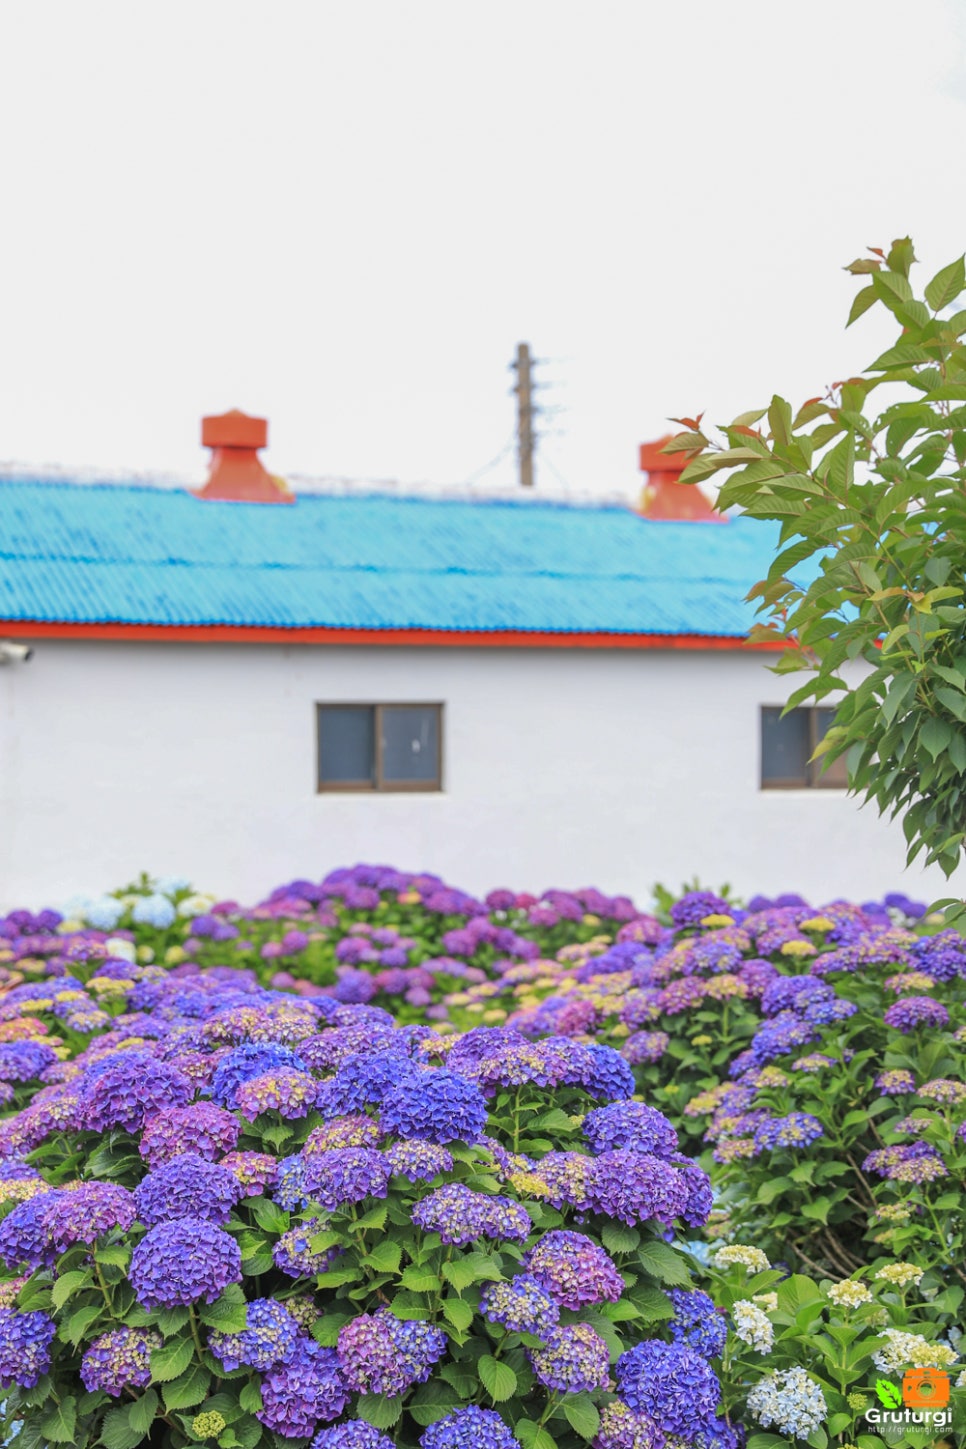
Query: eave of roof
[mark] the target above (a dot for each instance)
(460, 638)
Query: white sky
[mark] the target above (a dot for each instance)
(344, 216)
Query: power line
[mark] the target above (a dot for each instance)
(497, 458)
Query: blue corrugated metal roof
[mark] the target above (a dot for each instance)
(89, 553)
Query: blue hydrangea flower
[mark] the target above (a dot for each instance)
(470, 1428)
(670, 1383)
(155, 910)
(697, 1322)
(522, 1305)
(439, 1106)
(25, 1340)
(269, 1338)
(187, 1186)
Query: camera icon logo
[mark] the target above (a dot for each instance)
(925, 1388)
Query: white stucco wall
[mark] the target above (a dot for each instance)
(562, 767)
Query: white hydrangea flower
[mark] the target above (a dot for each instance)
(120, 949)
(768, 1301)
(195, 905)
(849, 1293)
(900, 1274)
(911, 1350)
(753, 1326)
(752, 1259)
(789, 1400)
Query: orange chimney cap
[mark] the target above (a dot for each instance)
(234, 429)
(654, 461)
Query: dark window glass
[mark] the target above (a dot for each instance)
(347, 753)
(380, 746)
(788, 742)
(410, 743)
(785, 747)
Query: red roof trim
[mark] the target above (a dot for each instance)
(493, 639)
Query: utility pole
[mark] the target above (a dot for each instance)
(525, 412)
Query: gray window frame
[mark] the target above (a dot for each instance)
(379, 785)
(814, 777)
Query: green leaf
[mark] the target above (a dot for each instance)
(385, 1256)
(250, 1397)
(420, 1280)
(142, 1412)
(187, 1390)
(862, 301)
(935, 735)
(79, 1322)
(171, 1359)
(619, 1239)
(531, 1436)
(68, 1284)
(226, 1316)
(116, 1431)
(582, 1415)
(946, 285)
(497, 1378)
(662, 1262)
(60, 1424)
(269, 1216)
(458, 1313)
(379, 1411)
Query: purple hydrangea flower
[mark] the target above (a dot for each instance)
(574, 1270)
(85, 1213)
(633, 1125)
(645, 1047)
(621, 1428)
(202, 1128)
(460, 1215)
(187, 1186)
(635, 1187)
(25, 1237)
(307, 1390)
(575, 1361)
(345, 1175)
(284, 1090)
(243, 1062)
(119, 1360)
(382, 1354)
(25, 1340)
(254, 1171)
(182, 1262)
(129, 1088)
(913, 1011)
(693, 906)
(23, 1061)
(419, 1161)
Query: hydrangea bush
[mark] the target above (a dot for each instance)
(236, 1216)
(289, 1185)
